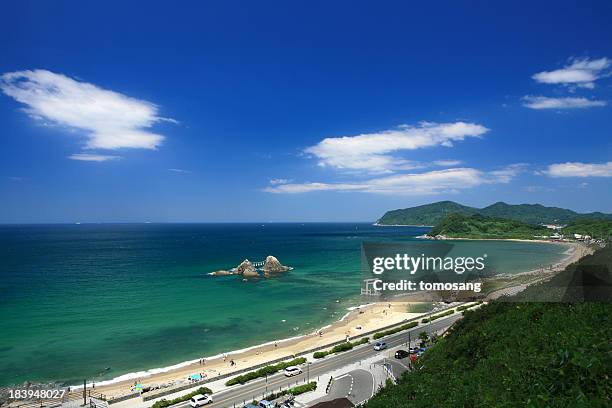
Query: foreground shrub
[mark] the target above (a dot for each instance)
(395, 330)
(341, 347)
(262, 372)
(466, 307)
(439, 315)
(300, 389)
(166, 403)
(541, 354)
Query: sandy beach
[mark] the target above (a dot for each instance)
(360, 320)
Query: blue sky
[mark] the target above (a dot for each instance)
(300, 111)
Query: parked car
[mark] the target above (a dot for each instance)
(413, 350)
(292, 370)
(266, 404)
(399, 354)
(250, 406)
(200, 399)
(380, 345)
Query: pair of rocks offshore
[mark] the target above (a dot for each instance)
(247, 270)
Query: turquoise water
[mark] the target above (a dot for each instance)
(99, 301)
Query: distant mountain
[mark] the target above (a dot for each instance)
(478, 226)
(431, 214)
(428, 214)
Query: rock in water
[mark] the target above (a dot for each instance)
(272, 265)
(246, 269)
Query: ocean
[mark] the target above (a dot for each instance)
(98, 301)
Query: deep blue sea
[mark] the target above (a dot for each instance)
(99, 301)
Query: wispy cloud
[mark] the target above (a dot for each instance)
(427, 183)
(372, 152)
(578, 72)
(180, 171)
(543, 102)
(577, 169)
(276, 181)
(446, 163)
(92, 157)
(108, 119)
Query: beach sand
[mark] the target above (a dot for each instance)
(368, 317)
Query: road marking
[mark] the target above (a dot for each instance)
(351, 387)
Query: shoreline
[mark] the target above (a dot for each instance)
(357, 320)
(545, 241)
(368, 317)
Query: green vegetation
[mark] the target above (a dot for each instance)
(429, 214)
(437, 316)
(300, 389)
(432, 214)
(341, 347)
(466, 307)
(262, 372)
(166, 403)
(542, 354)
(594, 228)
(481, 227)
(403, 327)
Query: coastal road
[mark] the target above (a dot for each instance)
(239, 394)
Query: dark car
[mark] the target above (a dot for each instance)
(399, 354)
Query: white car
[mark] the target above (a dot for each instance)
(380, 345)
(199, 400)
(292, 370)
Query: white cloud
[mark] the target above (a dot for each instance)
(543, 102)
(371, 151)
(427, 183)
(576, 169)
(110, 120)
(181, 171)
(508, 173)
(447, 163)
(92, 157)
(276, 181)
(580, 72)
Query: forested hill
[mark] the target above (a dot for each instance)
(481, 227)
(431, 214)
